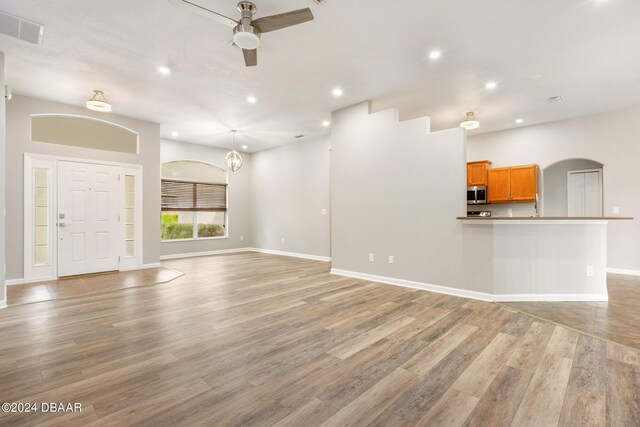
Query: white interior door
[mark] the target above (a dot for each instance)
(88, 222)
(585, 193)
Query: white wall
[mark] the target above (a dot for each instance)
(3, 293)
(290, 188)
(18, 142)
(396, 189)
(238, 222)
(611, 139)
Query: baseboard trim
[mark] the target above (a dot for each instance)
(415, 285)
(147, 266)
(14, 282)
(623, 271)
(207, 253)
(471, 294)
(551, 298)
(292, 254)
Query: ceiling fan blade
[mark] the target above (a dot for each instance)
(250, 57)
(200, 10)
(283, 20)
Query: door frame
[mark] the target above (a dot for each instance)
(600, 184)
(49, 271)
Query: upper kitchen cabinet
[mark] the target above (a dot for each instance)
(513, 184)
(499, 185)
(477, 172)
(524, 183)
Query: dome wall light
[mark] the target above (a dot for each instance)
(470, 122)
(98, 102)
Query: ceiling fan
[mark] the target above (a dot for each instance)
(246, 31)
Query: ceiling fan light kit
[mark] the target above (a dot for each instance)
(247, 31)
(98, 102)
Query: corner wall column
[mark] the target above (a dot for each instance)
(3, 180)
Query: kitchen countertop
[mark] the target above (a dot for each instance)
(544, 218)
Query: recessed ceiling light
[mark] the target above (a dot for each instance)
(337, 92)
(326, 123)
(435, 54)
(252, 100)
(164, 70)
(519, 121)
(244, 147)
(175, 134)
(491, 85)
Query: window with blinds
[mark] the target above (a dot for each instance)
(193, 196)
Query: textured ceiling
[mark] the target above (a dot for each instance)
(586, 51)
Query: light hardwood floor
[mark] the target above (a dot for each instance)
(254, 339)
(616, 320)
(70, 287)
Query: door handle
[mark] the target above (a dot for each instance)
(61, 224)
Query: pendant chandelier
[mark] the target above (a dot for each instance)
(233, 160)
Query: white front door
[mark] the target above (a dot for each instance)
(88, 223)
(585, 193)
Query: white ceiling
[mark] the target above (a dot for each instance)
(586, 50)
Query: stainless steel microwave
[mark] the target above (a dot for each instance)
(477, 195)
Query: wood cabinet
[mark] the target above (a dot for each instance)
(499, 185)
(477, 172)
(512, 184)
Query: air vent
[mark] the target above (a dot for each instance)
(320, 1)
(554, 99)
(299, 136)
(21, 28)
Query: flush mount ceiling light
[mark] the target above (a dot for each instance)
(244, 147)
(491, 85)
(326, 123)
(98, 102)
(337, 92)
(519, 121)
(252, 100)
(164, 70)
(233, 160)
(435, 54)
(470, 122)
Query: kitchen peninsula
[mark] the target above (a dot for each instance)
(539, 258)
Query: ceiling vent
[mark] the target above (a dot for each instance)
(554, 99)
(299, 136)
(21, 28)
(320, 1)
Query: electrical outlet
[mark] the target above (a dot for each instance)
(390, 259)
(589, 270)
(241, 238)
(283, 240)
(616, 210)
(324, 211)
(509, 212)
(371, 257)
